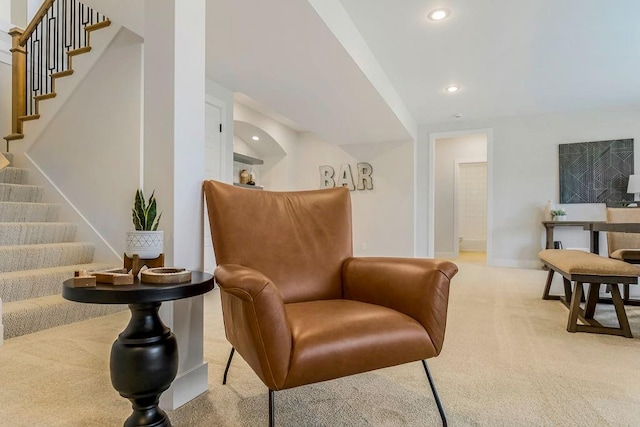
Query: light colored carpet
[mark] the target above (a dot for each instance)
(507, 361)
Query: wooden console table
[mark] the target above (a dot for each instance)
(591, 226)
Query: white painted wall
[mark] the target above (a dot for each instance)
(19, 9)
(448, 150)
(525, 174)
(90, 149)
(382, 217)
(5, 10)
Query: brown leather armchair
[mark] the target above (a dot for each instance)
(300, 308)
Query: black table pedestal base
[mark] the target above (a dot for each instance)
(144, 362)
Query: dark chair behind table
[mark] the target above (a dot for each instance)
(299, 308)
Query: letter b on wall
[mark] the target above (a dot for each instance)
(326, 177)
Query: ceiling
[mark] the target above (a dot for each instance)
(508, 57)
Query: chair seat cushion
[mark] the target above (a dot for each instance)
(336, 338)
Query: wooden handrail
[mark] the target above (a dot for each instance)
(41, 13)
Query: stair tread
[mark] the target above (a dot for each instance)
(35, 223)
(20, 185)
(46, 245)
(93, 266)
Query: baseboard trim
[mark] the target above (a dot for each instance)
(186, 387)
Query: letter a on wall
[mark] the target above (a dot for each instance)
(345, 179)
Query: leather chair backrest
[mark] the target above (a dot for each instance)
(299, 239)
(617, 241)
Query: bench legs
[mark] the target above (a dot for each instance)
(567, 289)
(591, 325)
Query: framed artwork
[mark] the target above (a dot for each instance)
(596, 172)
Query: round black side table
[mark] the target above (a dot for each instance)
(144, 357)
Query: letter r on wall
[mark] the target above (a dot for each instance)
(364, 176)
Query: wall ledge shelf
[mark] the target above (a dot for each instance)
(253, 187)
(237, 157)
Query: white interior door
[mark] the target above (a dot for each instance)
(213, 168)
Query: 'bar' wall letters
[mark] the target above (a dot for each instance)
(345, 178)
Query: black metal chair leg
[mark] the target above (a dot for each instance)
(271, 408)
(226, 370)
(435, 394)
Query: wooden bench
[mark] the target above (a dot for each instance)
(584, 267)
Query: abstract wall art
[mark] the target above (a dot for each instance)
(596, 172)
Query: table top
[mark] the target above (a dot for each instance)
(139, 292)
(570, 223)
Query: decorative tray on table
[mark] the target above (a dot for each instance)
(163, 275)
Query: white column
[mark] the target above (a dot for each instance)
(174, 94)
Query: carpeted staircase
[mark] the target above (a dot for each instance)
(36, 255)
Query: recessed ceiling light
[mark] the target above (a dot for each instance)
(452, 89)
(255, 138)
(438, 14)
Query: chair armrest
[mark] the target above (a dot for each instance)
(416, 287)
(255, 321)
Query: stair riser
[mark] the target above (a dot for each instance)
(28, 212)
(30, 316)
(11, 175)
(20, 193)
(22, 285)
(30, 257)
(36, 233)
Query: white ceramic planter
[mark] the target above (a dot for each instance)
(560, 218)
(146, 244)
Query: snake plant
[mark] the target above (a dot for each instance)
(145, 217)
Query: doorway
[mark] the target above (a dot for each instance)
(460, 191)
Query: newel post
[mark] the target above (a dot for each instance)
(19, 80)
